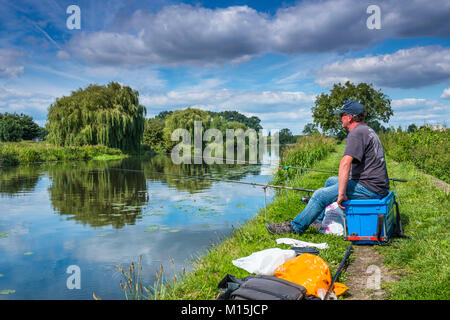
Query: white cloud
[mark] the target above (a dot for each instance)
(64, 74)
(408, 102)
(419, 110)
(291, 78)
(292, 115)
(311, 27)
(446, 94)
(61, 54)
(184, 34)
(9, 66)
(177, 34)
(406, 68)
(276, 109)
(33, 103)
(259, 102)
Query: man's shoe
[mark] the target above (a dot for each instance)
(280, 228)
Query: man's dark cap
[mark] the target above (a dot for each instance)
(351, 107)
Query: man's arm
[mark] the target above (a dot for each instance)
(344, 173)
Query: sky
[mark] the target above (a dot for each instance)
(269, 59)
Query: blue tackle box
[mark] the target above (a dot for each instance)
(370, 221)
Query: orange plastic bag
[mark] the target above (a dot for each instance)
(311, 272)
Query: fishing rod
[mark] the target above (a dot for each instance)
(338, 271)
(264, 186)
(269, 164)
(216, 179)
(337, 172)
(227, 160)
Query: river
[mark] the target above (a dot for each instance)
(65, 228)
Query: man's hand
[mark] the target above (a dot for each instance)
(341, 198)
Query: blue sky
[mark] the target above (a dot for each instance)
(264, 58)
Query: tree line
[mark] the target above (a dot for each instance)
(158, 130)
(15, 127)
(111, 115)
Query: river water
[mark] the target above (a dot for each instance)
(65, 228)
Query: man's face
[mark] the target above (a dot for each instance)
(345, 118)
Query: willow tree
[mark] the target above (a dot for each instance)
(108, 115)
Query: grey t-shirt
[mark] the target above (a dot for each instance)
(369, 164)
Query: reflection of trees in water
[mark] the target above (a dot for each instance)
(95, 195)
(163, 163)
(19, 179)
(98, 193)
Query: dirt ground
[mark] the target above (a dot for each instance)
(366, 274)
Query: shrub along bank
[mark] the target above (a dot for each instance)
(427, 149)
(25, 152)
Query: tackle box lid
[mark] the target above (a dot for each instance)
(365, 202)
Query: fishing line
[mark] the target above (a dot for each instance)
(264, 186)
(285, 167)
(211, 179)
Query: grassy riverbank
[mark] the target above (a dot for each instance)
(422, 263)
(210, 268)
(25, 152)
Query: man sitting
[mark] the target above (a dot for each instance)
(362, 173)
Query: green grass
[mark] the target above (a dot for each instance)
(26, 152)
(212, 266)
(426, 149)
(422, 262)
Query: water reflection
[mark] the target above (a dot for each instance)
(92, 194)
(98, 215)
(17, 180)
(101, 193)
(175, 175)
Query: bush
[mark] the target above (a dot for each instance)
(154, 134)
(14, 127)
(304, 154)
(8, 157)
(30, 152)
(29, 156)
(427, 149)
(10, 128)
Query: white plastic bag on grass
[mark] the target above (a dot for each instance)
(264, 262)
(334, 220)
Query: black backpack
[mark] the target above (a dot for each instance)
(259, 287)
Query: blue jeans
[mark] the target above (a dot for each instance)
(321, 198)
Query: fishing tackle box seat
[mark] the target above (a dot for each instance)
(370, 221)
